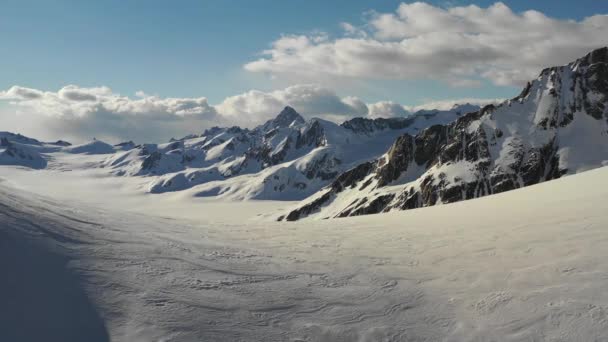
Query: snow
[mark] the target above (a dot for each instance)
(23, 155)
(92, 258)
(584, 139)
(93, 147)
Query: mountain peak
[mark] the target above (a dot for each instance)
(289, 115)
(286, 118)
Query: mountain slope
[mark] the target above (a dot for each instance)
(13, 153)
(558, 125)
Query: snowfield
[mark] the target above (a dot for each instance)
(90, 257)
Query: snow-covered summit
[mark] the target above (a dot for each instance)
(286, 118)
(92, 147)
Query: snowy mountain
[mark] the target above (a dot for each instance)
(286, 158)
(17, 149)
(558, 125)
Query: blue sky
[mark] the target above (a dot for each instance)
(198, 48)
(150, 70)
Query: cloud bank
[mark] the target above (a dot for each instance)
(79, 113)
(460, 45)
(83, 113)
(254, 107)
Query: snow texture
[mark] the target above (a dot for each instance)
(85, 258)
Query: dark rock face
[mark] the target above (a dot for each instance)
(399, 157)
(372, 207)
(312, 136)
(428, 143)
(540, 164)
(151, 161)
(351, 177)
(365, 125)
(495, 149)
(62, 143)
(324, 168)
(307, 209)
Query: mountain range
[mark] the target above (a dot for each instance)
(286, 158)
(557, 125)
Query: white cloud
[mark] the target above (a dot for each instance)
(352, 31)
(387, 109)
(18, 93)
(82, 113)
(450, 103)
(79, 114)
(455, 45)
(464, 83)
(255, 106)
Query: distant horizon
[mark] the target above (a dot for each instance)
(177, 138)
(94, 71)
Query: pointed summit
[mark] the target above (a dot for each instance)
(286, 118)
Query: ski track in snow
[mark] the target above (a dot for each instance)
(470, 271)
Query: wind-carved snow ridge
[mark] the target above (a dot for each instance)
(557, 126)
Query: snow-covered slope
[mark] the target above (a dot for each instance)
(525, 265)
(16, 149)
(92, 147)
(12, 153)
(558, 125)
(285, 158)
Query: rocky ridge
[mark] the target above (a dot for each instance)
(558, 125)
